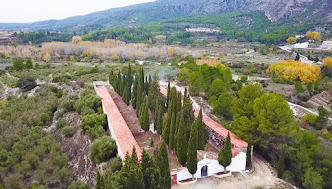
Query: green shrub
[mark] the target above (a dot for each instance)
(62, 123)
(68, 131)
(78, 185)
(310, 118)
(103, 149)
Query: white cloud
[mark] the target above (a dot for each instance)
(15, 11)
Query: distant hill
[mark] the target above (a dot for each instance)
(295, 11)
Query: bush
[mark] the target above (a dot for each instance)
(103, 149)
(68, 131)
(310, 118)
(305, 96)
(78, 185)
(26, 83)
(62, 123)
(115, 164)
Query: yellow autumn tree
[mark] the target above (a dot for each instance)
(291, 40)
(290, 70)
(209, 62)
(313, 35)
(47, 57)
(76, 39)
(170, 51)
(327, 62)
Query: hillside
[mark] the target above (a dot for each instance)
(137, 15)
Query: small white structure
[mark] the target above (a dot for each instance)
(301, 45)
(209, 165)
(326, 45)
(140, 62)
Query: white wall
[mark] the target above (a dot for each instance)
(238, 164)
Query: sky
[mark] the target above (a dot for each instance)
(24, 11)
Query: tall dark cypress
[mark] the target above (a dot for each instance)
(163, 164)
(151, 172)
(225, 154)
(134, 95)
(144, 115)
(172, 132)
(140, 97)
(201, 134)
(249, 155)
(166, 128)
(192, 150)
(181, 142)
(160, 120)
(168, 93)
(129, 81)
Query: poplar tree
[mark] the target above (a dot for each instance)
(181, 142)
(192, 150)
(225, 154)
(163, 164)
(172, 132)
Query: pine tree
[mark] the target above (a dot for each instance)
(172, 132)
(225, 154)
(163, 164)
(281, 164)
(192, 150)
(166, 128)
(151, 172)
(249, 155)
(201, 134)
(181, 142)
(160, 120)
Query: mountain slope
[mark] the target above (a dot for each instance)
(136, 15)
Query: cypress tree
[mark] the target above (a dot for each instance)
(134, 95)
(155, 125)
(166, 128)
(249, 155)
(126, 94)
(181, 142)
(188, 111)
(172, 132)
(163, 164)
(160, 120)
(140, 90)
(134, 158)
(225, 154)
(168, 93)
(131, 175)
(151, 172)
(201, 134)
(192, 151)
(144, 115)
(129, 82)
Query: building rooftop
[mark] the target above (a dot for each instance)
(123, 136)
